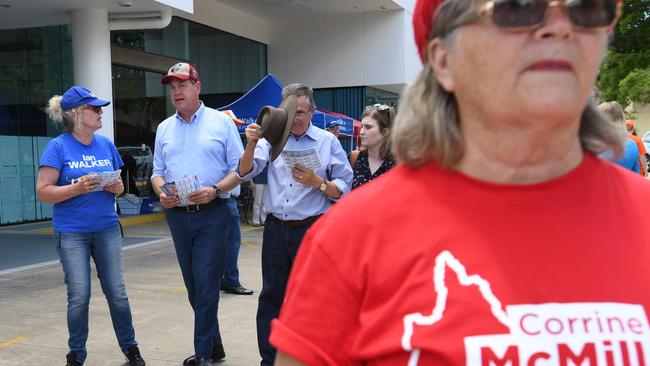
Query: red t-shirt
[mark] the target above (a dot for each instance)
(430, 267)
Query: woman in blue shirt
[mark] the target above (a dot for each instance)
(84, 218)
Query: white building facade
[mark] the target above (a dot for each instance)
(352, 52)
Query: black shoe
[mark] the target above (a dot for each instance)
(196, 361)
(71, 359)
(218, 353)
(236, 290)
(135, 359)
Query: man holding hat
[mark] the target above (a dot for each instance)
(295, 199)
(200, 142)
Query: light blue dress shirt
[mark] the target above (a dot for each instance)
(208, 146)
(287, 199)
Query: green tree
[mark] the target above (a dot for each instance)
(636, 86)
(629, 52)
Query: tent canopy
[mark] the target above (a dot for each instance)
(269, 92)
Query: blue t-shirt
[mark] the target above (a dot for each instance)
(630, 157)
(87, 212)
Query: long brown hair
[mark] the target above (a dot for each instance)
(384, 115)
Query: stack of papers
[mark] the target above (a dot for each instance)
(182, 188)
(104, 178)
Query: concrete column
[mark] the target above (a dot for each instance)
(91, 57)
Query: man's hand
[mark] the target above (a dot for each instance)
(253, 133)
(306, 176)
(116, 187)
(203, 196)
(169, 201)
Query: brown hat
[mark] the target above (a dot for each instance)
(182, 71)
(276, 123)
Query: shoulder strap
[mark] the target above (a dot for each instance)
(353, 157)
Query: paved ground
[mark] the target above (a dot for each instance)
(33, 303)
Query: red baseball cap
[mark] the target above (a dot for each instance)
(182, 71)
(423, 15)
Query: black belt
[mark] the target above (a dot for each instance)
(196, 208)
(293, 223)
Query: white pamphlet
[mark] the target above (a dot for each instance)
(308, 158)
(103, 178)
(185, 186)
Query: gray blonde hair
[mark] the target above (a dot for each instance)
(70, 119)
(427, 126)
(614, 112)
(300, 90)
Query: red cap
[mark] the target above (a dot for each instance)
(182, 71)
(423, 15)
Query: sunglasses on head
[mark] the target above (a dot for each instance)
(380, 107)
(528, 14)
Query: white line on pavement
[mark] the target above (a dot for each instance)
(49, 263)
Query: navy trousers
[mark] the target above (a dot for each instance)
(279, 248)
(200, 243)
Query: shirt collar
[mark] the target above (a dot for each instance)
(311, 132)
(195, 116)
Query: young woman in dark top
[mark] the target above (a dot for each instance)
(375, 158)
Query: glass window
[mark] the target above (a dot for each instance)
(35, 64)
(229, 65)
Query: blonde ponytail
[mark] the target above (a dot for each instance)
(70, 119)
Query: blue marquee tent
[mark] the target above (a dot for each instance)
(322, 119)
(269, 92)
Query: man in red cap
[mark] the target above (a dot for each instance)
(203, 144)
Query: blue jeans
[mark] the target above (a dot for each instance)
(105, 248)
(233, 242)
(279, 248)
(200, 243)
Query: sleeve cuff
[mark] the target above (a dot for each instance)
(342, 188)
(293, 344)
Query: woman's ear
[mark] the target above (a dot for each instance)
(438, 60)
(386, 132)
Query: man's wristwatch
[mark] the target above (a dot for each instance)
(217, 190)
(323, 187)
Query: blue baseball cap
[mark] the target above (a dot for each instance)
(336, 122)
(78, 95)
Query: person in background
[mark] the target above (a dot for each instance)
(629, 157)
(500, 226)
(85, 222)
(376, 159)
(203, 142)
(230, 282)
(335, 127)
(631, 133)
(259, 190)
(295, 199)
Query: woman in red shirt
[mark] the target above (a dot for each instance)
(501, 238)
